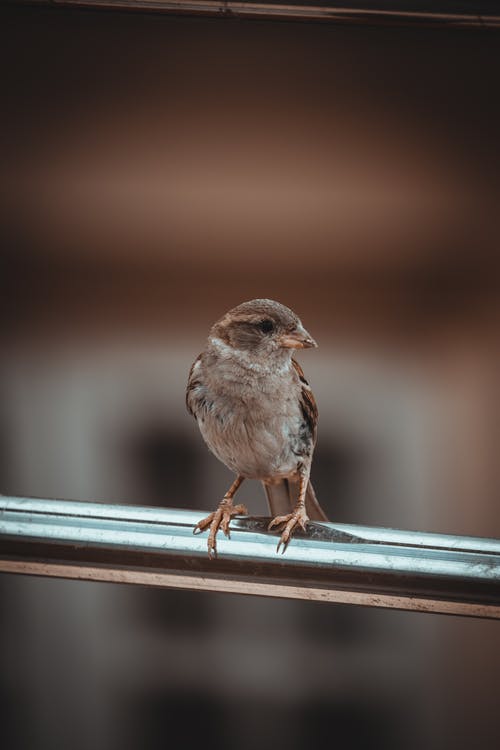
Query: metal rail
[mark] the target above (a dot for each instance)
(402, 12)
(332, 562)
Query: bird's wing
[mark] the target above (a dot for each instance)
(193, 382)
(307, 401)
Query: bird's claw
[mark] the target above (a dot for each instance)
(220, 518)
(292, 520)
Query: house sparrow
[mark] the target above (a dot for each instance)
(257, 413)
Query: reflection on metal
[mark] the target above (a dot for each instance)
(398, 12)
(331, 563)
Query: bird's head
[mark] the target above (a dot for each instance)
(262, 327)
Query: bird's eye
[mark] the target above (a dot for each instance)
(266, 326)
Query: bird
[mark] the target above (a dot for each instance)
(257, 414)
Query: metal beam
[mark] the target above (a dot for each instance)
(399, 12)
(332, 562)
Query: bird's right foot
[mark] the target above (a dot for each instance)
(219, 519)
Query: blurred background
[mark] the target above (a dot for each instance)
(157, 171)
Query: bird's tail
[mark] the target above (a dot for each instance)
(282, 498)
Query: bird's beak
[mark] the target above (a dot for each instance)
(298, 339)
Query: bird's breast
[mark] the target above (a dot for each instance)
(256, 437)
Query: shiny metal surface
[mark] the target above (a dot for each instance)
(333, 562)
(399, 12)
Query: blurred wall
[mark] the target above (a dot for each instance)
(157, 171)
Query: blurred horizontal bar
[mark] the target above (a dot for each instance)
(398, 12)
(332, 562)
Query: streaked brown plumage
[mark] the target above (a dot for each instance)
(257, 413)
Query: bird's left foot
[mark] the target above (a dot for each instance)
(299, 517)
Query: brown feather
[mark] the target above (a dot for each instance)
(282, 498)
(191, 385)
(307, 402)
